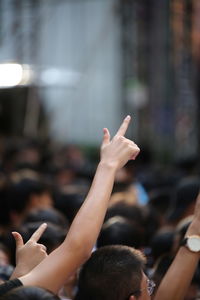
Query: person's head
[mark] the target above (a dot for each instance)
(120, 231)
(162, 243)
(184, 199)
(26, 195)
(29, 292)
(50, 215)
(132, 212)
(114, 272)
(152, 223)
(160, 200)
(68, 204)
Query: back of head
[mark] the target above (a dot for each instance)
(160, 199)
(162, 243)
(68, 204)
(29, 292)
(112, 272)
(185, 195)
(132, 212)
(20, 193)
(120, 231)
(50, 215)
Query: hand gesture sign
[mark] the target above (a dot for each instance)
(118, 150)
(30, 254)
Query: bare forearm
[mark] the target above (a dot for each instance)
(81, 237)
(178, 278)
(89, 219)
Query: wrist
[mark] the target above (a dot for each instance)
(19, 270)
(112, 166)
(194, 228)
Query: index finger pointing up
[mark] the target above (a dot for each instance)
(37, 234)
(124, 126)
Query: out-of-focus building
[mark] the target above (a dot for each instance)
(161, 50)
(73, 48)
(87, 63)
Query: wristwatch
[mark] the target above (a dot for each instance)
(192, 242)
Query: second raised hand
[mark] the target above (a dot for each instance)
(30, 254)
(118, 150)
(33, 239)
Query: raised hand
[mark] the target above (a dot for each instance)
(30, 254)
(64, 261)
(118, 150)
(177, 280)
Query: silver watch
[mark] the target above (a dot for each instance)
(192, 242)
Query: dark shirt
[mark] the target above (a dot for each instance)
(9, 285)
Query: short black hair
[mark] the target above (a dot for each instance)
(120, 231)
(29, 292)
(19, 193)
(186, 193)
(112, 272)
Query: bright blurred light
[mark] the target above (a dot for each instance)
(28, 75)
(10, 74)
(13, 74)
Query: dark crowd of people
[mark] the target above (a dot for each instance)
(119, 229)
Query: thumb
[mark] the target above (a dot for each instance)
(18, 239)
(106, 137)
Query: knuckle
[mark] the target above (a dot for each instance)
(129, 145)
(119, 138)
(43, 252)
(43, 247)
(137, 148)
(37, 246)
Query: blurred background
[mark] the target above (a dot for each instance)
(68, 68)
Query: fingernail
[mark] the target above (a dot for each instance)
(128, 117)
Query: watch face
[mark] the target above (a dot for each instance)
(194, 244)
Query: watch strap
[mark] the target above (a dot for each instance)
(183, 242)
